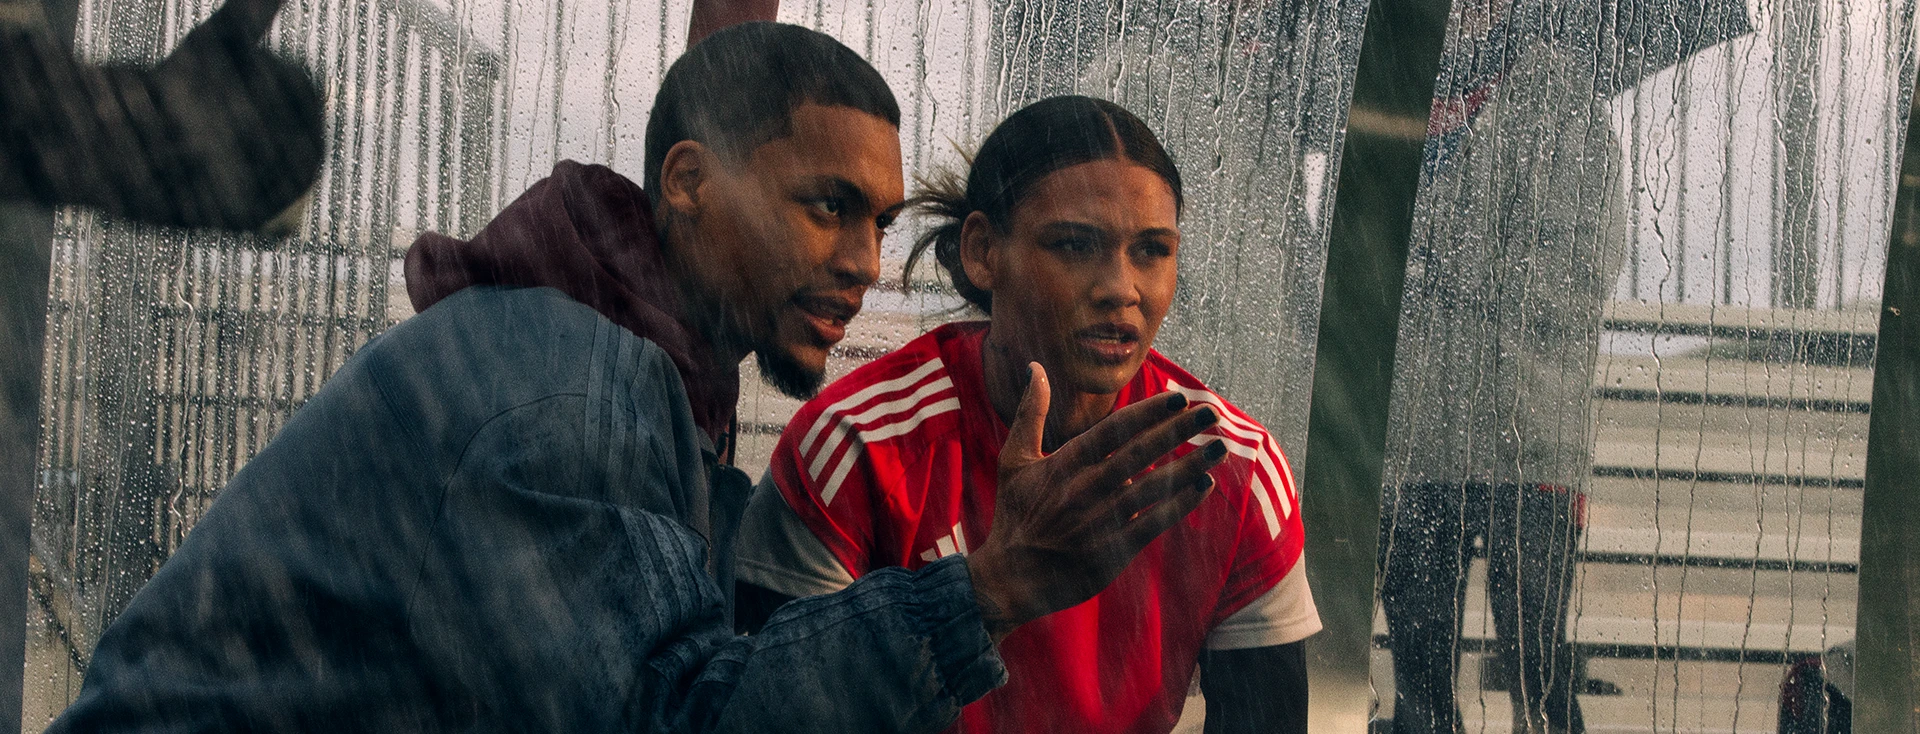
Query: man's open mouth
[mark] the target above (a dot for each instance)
(828, 315)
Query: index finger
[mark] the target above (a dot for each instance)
(1121, 426)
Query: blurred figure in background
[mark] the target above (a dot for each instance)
(1518, 240)
(221, 133)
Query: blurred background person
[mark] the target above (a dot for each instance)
(221, 133)
(1519, 236)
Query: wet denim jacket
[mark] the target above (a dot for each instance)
(496, 517)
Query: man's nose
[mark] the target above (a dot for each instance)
(857, 260)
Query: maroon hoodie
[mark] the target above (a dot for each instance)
(588, 232)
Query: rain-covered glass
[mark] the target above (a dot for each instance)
(1250, 100)
(173, 356)
(1626, 452)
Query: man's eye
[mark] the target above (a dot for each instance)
(829, 206)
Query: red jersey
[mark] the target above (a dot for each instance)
(897, 464)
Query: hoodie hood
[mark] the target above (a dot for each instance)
(589, 233)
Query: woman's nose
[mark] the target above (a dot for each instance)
(1115, 284)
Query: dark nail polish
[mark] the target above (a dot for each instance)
(1216, 449)
(1206, 483)
(1206, 416)
(1176, 401)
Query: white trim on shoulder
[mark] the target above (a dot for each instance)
(1285, 614)
(865, 394)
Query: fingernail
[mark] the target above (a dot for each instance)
(1206, 483)
(1216, 450)
(1176, 401)
(1205, 416)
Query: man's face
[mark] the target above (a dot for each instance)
(787, 239)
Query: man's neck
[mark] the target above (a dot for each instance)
(704, 316)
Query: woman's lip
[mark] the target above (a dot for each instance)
(1108, 350)
(1111, 331)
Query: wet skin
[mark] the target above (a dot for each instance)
(774, 251)
(1081, 280)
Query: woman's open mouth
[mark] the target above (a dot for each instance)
(1109, 343)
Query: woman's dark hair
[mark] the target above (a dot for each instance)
(1041, 138)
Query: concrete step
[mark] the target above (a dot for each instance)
(1666, 696)
(1637, 611)
(1734, 382)
(1647, 502)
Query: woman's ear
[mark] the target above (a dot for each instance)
(682, 171)
(976, 250)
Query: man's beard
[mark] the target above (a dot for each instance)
(788, 375)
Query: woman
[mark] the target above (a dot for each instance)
(1066, 233)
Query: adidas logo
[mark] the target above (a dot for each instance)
(954, 542)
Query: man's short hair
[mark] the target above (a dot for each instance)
(736, 90)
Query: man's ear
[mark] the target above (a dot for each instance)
(682, 171)
(976, 250)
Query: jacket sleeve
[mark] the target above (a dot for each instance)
(896, 651)
(554, 589)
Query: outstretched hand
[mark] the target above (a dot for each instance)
(256, 120)
(1066, 524)
(222, 133)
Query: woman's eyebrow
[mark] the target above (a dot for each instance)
(1071, 227)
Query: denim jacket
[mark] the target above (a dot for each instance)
(499, 516)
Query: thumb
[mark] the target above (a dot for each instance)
(1029, 421)
(236, 25)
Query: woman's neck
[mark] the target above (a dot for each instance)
(1070, 412)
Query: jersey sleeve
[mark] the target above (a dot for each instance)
(777, 551)
(1266, 600)
(830, 487)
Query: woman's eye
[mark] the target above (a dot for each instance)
(1154, 250)
(1074, 246)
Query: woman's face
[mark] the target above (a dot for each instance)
(1084, 274)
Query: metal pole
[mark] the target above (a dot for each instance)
(1887, 671)
(1359, 321)
(26, 233)
(713, 15)
(26, 239)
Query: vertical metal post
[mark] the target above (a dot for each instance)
(26, 239)
(713, 15)
(1359, 321)
(1887, 671)
(26, 232)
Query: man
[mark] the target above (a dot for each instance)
(509, 513)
